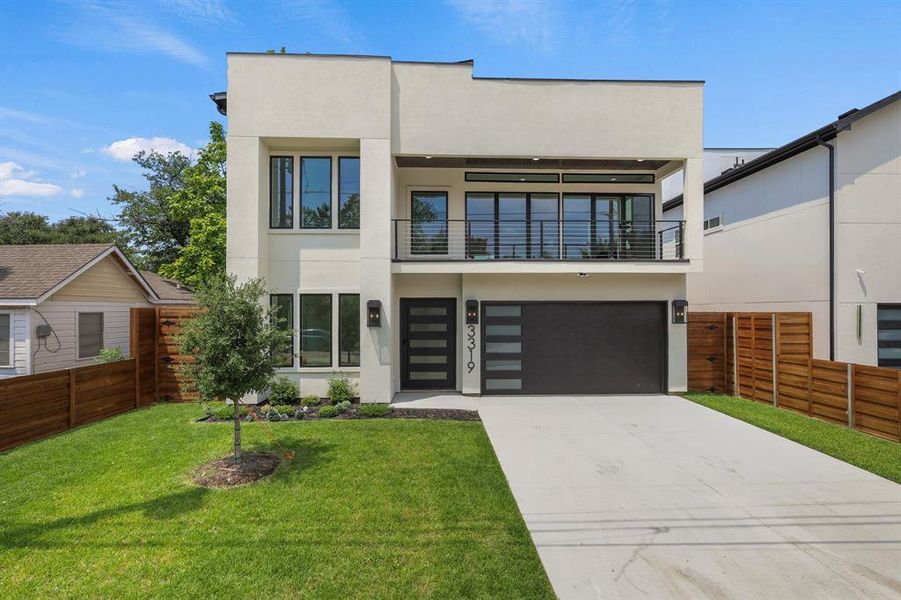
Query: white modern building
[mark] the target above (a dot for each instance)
(717, 161)
(426, 229)
(814, 226)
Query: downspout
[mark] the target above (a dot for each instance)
(831, 149)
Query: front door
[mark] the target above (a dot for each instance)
(428, 344)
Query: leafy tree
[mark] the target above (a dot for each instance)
(235, 341)
(32, 228)
(201, 202)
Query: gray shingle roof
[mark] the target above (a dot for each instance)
(167, 289)
(27, 272)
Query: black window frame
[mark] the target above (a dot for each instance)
(331, 193)
(622, 222)
(887, 325)
(446, 221)
(290, 225)
(341, 362)
(359, 194)
(290, 326)
(604, 178)
(485, 177)
(497, 221)
(331, 332)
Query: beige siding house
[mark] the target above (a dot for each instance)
(61, 304)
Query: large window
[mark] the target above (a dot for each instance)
(348, 192)
(603, 226)
(316, 192)
(284, 313)
(5, 340)
(90, 334)
(888, 319)
(512, 225)
(281, 192)
(315, 330)
(428, 223)
(348, 330)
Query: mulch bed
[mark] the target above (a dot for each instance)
(225, 473)
(452, 414)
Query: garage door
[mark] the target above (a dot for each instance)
(573, 347)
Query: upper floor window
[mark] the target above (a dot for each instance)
(281, 192)
(349, 192)
(316, 192)
(428, 223)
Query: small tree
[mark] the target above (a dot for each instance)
(236, 343)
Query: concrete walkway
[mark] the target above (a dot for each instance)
(453, 400)
(657, 497)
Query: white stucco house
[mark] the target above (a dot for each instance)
(60, 304)
(814, 226)
(426, 229)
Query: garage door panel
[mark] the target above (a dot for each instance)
(581, 348)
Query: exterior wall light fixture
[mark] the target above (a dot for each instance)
(472, 312)
(374, 313)
(680, 310)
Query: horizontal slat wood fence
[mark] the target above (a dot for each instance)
(36, 406)
(767, 357)
(33, 407)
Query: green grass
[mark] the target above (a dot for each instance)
(876, 455)
(368, 508)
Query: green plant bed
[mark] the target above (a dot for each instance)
(377, 508)
(882, 457)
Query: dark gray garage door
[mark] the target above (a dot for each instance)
(573, 347)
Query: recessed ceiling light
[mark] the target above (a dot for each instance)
(536, 158)
(640, 160)
(428, 157)
(613, 179)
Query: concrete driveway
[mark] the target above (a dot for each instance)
(656, 496)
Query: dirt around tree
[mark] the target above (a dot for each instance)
(225, 473)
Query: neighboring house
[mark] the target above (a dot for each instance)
(60, 304)
(771, 242)
(169, 291)
(716, 162)
(390, 204)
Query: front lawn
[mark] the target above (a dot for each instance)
(368, 508)
(873, 454)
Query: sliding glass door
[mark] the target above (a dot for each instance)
(608, 226)
(512, 225)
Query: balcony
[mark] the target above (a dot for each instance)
(537, 240)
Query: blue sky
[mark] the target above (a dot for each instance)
(85, 83)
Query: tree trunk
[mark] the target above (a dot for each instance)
(237, 431)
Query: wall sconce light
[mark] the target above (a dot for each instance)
(472, 312)
(374, 313)
(680, 308)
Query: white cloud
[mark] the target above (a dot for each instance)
(78, 173)
(326, 17)
(213, 11)
(113, 27)
(76, 192)
(14, 181)
(127, 148)
(534, 23)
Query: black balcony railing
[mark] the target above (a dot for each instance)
(474, 240)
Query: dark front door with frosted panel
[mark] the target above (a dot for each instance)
(573, 347)
(428, 344)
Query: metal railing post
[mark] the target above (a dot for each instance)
(395, 240)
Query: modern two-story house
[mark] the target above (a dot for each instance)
(813, 226)
(425, 229)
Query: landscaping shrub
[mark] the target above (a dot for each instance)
(310, 400)
(343, 407)
(340, 389)
(108, 355)
(283, 391)
(223, 411)
(328, 411)
(374, 410)
(278, 412)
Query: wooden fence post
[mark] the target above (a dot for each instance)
(809, 387)
(774, 332)
(735, 385)
(850, 396)
(725, 354)
(136, 354)
(71, 398)
(899, 406)
(156, 354)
